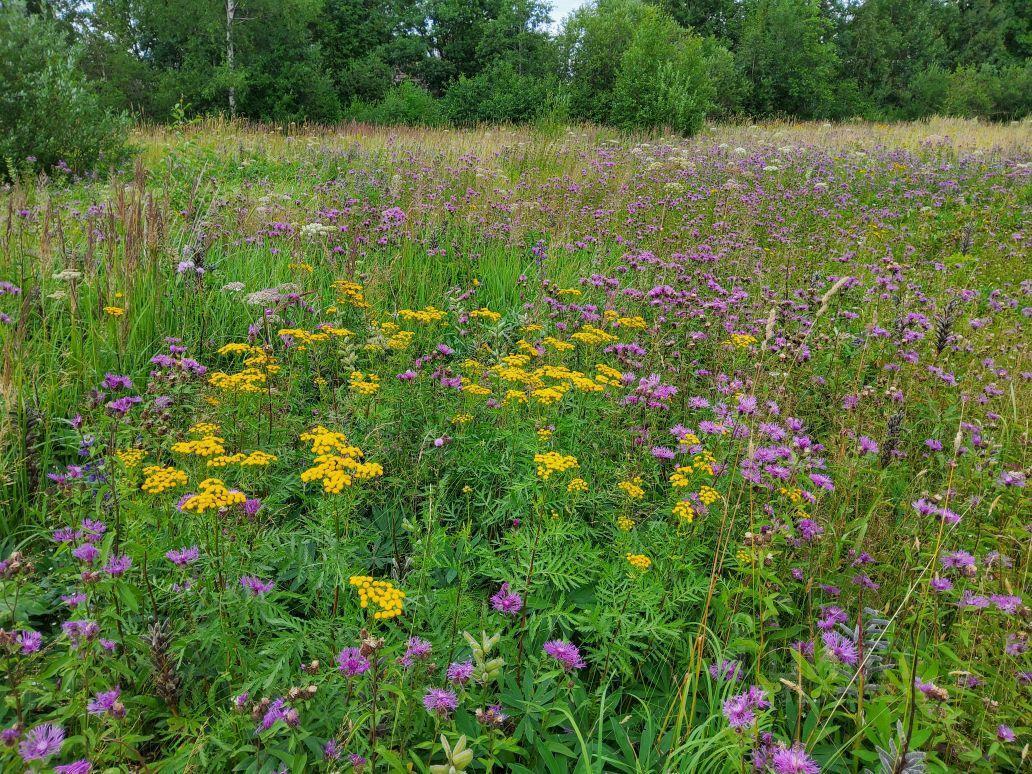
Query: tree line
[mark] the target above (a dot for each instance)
(629, 63)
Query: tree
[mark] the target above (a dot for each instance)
(48, 112)
(663, 78)
(788, 60)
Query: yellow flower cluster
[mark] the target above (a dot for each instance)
(704, 462)
(544, 434)
(632, 488)
(462, 419)
(741, 340)
(681, 477)
(381, 594)
(608, 376)
(235, 348)
(708, 495)
(131, 457)
(577, 485)
(114, 311)
(592, 336)
(557, 344)
(351, 293)
(634, 323)
(575, 292)
(476, 389)
(795, 494)
(639, 562)
(157, 479)
(213, 495)
(336, 463)
(625, 523)
(554, 462)
(208, 446)
(203, 428)
(684, 511)
(364, 384)
(483, 313)
(248, 380)
(391, 336)
(321, 334)
(301, 266)
(427, 316)
(256, 459)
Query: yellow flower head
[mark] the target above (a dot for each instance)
(639, 562)
(380, 594)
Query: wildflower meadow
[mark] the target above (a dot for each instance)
(520, 450)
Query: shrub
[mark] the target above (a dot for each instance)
(663, 78)
(48, 111)
(405, 103)
(497, 94)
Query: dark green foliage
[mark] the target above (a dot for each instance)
(630, 63)
(405, 103)
(48, 110)
(785, 55)
(663, 79)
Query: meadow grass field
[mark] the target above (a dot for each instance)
(520, 450)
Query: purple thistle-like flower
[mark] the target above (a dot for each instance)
(351, 662)
(740, 710)
(81, 766)
(440, 702)
(840, 648)
(792, 760)
(183, 556)
(29, 641)
(256, 585)
(121, 406)
(118, 565)
(87, 553)
(567, 654)
(80, 632)
(1005, 733)
(331, 750)
(116, 382)
(460, 672)
(417, 650)
(867, 446)
(506, 601)
(107, 703)
(41, 742)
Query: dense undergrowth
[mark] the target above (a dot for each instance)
(504, 451)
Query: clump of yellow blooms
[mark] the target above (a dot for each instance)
(741, 340)
(381, 594)
(634, 323)
(213, 495)
(131, 457)
(625, 523)
(476, 389)
(391, 336)
(684, 511)
(483, 313)
(592, 336)
(256, 459)
(577, 485)
(795, 494)
(632, 488)
(608, 375)
(336, 462)
(202, 429)
(681, 477)
(461, 419)
(639, 562)
(704, 462)
(208, 446)
(557, 344)
(544, 434)
(426, 316)
(514, 396)
(157, 479)
(350, 293)
(708, 495)
(301, 266)
(554, 462)
(114, 311)
(364, 384)
(546, 396)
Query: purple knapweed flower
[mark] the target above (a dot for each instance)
(256, 585)
(351, 662)
(440, 702)
(567, 654)
(41, 742)
(460, 672)
(506, 601)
